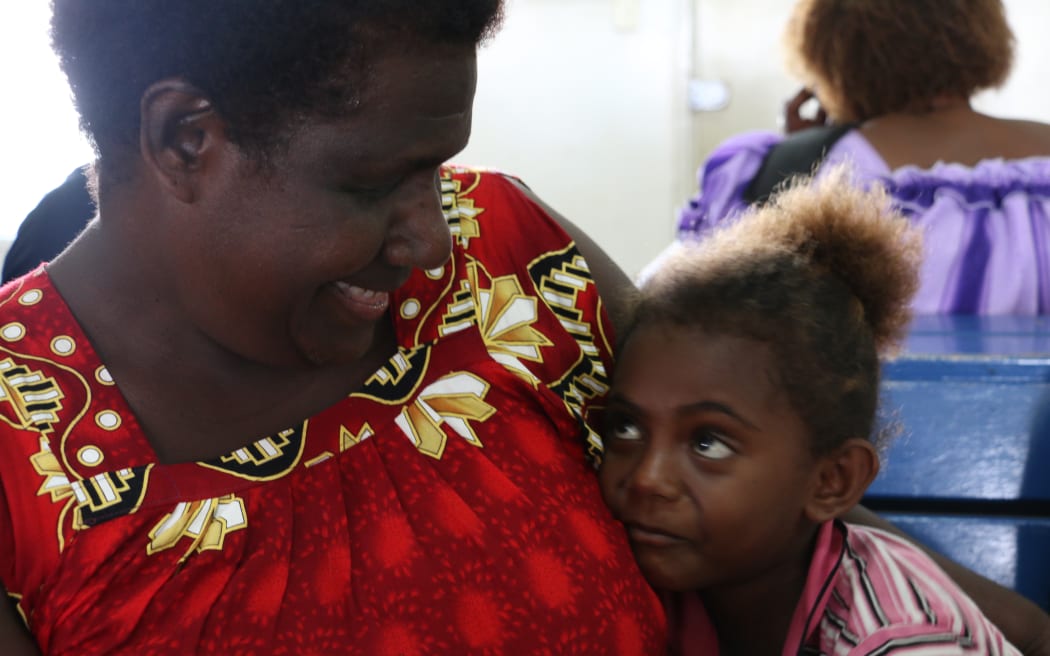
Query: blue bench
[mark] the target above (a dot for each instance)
(968, 475)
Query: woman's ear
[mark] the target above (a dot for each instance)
(842, 477)
(180, 133)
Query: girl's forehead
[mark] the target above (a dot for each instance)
(691, 358)
(685, 361)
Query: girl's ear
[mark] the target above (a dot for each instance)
(841, 479)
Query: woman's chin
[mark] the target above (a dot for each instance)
(326, 350)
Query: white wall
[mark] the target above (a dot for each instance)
(41, 141)
(1027, 92)
(583, 99)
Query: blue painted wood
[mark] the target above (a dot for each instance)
(1014, 552)
(968, 474)
(967, 440)
(972, 395)
(971, 368)
(994, 336)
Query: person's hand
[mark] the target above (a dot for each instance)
(793, 119)
(1040, 645)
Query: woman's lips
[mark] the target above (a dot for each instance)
(366, 304)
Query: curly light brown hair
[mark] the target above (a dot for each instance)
(824, 274)
(866, 58)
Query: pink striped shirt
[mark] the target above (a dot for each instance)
(867, 592)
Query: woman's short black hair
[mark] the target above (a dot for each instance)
(263, 63)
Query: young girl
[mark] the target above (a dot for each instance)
(738, 431)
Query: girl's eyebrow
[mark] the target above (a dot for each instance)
(715, 406)
(618, 399)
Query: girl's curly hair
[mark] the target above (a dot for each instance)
(824, 274)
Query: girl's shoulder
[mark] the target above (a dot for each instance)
(887, 594)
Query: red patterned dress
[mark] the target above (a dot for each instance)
(445, 508)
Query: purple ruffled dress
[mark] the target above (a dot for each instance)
(987, 227)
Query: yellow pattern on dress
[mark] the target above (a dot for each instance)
(455, 400)
(505, 316)
(56, 483)
(206, 523)
(347, 438)
(125, 488)
(34, 399)
(459, 210)
(562, 277)
(267, 450)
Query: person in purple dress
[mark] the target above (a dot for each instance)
(894, 79)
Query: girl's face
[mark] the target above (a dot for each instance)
(706, 463)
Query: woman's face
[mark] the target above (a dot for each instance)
(706, 463)
(293, 265)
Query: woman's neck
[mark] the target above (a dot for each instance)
(234, 400)
(953, 132)
(940, 111)
(949, 104)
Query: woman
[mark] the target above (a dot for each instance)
(266, 403)
(896, 77)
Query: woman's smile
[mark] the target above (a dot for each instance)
(364, 304)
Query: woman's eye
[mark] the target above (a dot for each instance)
(373, 193)
(709, 445)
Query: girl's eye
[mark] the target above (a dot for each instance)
(623, 429)
(707, 444)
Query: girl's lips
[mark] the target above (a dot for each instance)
(651, 537)
(367, 304)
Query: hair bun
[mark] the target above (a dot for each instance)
(857, 236)
(829, 224)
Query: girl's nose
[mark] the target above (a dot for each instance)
(655, 475)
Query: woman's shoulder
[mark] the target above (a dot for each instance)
(496, 220)
(960, 136)
(1032, 137)
(988, 137)
(955, 181)
(514, 228)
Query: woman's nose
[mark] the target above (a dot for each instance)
(419, 235)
